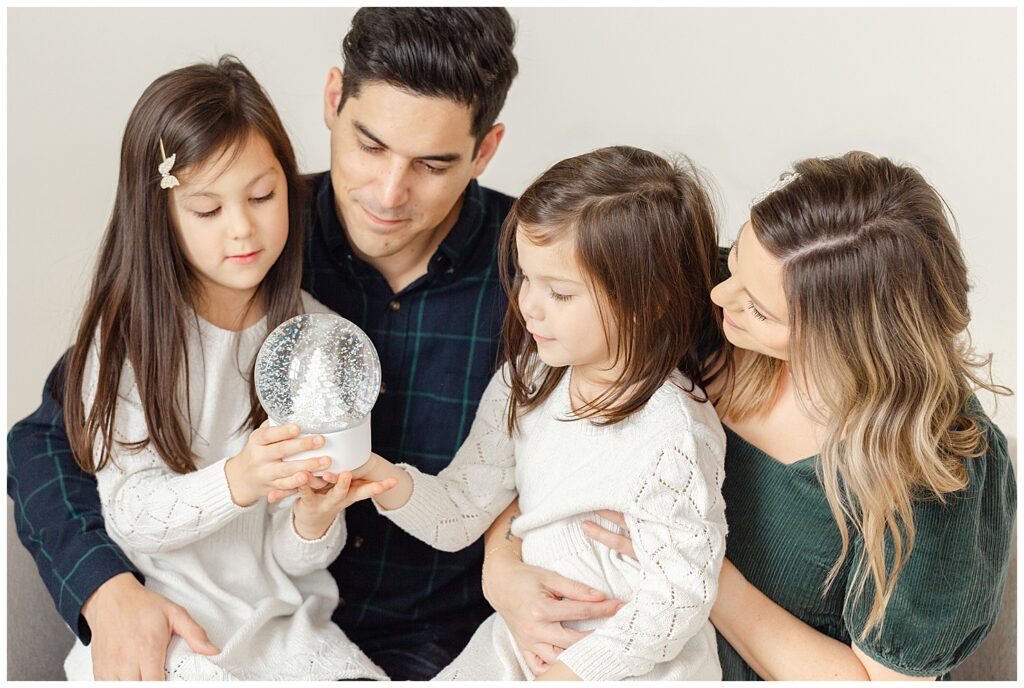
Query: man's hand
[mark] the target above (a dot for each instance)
(131, 628)
(534, 602)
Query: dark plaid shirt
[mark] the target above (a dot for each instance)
(438, 341)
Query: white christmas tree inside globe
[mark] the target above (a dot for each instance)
(322, 373)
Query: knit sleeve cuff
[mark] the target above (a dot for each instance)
(299, 556)
(595, 658)
(420, 516)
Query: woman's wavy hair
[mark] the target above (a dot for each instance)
(143, 290)
(877, 286)
(644, 234)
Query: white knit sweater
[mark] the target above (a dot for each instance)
(261, 591)
(662, 467)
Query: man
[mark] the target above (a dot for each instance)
(403, 243)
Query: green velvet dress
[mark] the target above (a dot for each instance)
(784, 539)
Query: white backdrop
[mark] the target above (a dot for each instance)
(742, 91)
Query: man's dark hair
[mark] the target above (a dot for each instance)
(460, 53)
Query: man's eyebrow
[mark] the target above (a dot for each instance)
(441, 157)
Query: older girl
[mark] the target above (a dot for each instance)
(870, 499)
(202, 257)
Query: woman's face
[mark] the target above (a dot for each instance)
(753, 302)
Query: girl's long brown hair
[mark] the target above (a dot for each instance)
(645, 237)
(877, 290)
(143, 290)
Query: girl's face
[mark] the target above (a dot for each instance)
(561, 311)
(232, 219)
(754, 309)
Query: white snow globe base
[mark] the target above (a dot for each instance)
(349, 449)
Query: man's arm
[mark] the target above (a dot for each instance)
(57, 509)
(94, 585)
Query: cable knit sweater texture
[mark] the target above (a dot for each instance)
(262, 592)
(662, 467)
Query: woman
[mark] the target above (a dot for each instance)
(870, 501)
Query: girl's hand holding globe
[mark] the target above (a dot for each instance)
(258, 470)
(321, 372)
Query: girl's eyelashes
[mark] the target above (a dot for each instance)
(560, 297)
(369, 149)
(753, 309)
(211, 213)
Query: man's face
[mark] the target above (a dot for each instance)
(399, 165)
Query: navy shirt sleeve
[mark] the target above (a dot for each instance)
(57, 509)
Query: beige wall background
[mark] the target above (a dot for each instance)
(742, 91)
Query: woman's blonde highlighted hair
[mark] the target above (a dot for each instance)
(877, 290)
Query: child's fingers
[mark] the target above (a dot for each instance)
(371, 489)
(278, 495)
(284, 469)
(269, 434)
(292, 482)
(293, 445)
(342, 483)
(319, 483)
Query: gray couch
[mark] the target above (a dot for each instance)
(38, 639)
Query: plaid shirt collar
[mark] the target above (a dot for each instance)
(452, 252)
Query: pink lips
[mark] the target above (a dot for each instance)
(245, 258)
(540, 339)
(725, 316)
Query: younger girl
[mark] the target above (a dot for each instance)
(614, 253)
(871, 499)
(200, 260)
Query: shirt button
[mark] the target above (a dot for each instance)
(341, 602)
(383, 387)
(349, 256)
(450, 270)
(394, 305)
(357, 542)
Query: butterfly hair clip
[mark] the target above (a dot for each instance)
(167, 180)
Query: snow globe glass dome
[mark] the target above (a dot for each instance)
(321, 372)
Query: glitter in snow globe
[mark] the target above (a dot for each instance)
(322, 373)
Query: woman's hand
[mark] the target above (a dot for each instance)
(620, 543)
(131, 628)
(258, 469)
(534, 602)
(316, 508)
